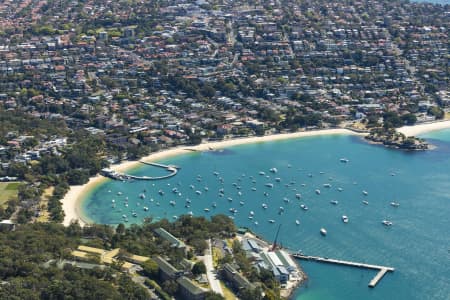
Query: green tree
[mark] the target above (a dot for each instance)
(199, 268)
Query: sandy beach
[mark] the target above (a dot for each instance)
(71, 201)
(425, 127)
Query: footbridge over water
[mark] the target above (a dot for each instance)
(123, 176)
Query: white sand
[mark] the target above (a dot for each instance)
(71, 201)
(72, 198)
(422, 128)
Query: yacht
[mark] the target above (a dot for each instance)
(271, 221)
(327, 185)
(387, 223)
(298, 196)
(230, 199)
(241, 203)
(269, 185)
(318, 192)
(264, 206)
(262, 173)
(273, 170)
(198, 192)
(297, 222)
(142, 195)
(278, 179)
(252, 213)
(395, 204)
(365, 193)
(340, 189)
(206, 209)
(216, 173)
(172, 203)
(119, 193)
(344, 160)
(145, 208)
(335, 202)
(304, 207)
(253, 189)
(256, 223)
(345, 219)
(323, 231)
(365, 202)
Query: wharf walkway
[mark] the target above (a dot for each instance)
(123, 176)
(382, 270)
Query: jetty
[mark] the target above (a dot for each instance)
(382, 270)
(123, 176)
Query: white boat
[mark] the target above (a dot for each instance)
(344, 160)
(262, 173)
(113, 200)
(253, 189)
(298, 196)
(365, 202)
(365, 193)
(327, 185)
(241, 203)
(271, 221)
(386, 223)
(395, 204)
(264, 206)
(317, 192)
(172, 203)
(269, 185)
(233, 210)
(206, 209)
(273, 170)
(252, 213)
(198, 192)
(278, 179)
(216, 173)
(297, 222)
(345, 219)
(303, 206)
(190, 213)
(214, 204)
(340, 189)
(134, 214)
(334, 202)
(119, 193)
(145, 208)
(161, 192)
(230, 199)
(256, 223)
(206, 188)
(323, 231)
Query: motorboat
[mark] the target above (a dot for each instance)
(298, 196)
(271, 221)
(327, 185)
(206, 209)
(273, 170)
(345, 219)
(386, 223)
(395, 204)
(264, 206)
(365, 202)
(317, 192)
(323, 231)
(365, 193)
(270, 185)
(334, 202)
(297, 222)
(344, 160)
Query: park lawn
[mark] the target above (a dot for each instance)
(227, 293)
(8, 190)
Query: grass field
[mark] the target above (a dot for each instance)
(8, 190)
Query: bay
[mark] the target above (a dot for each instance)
(417, 244)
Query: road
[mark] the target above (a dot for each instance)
(210, 271)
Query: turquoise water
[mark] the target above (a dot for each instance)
(417, 244)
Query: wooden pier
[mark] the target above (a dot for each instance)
(382, 270)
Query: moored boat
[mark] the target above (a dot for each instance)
(323, 231)
(345, 219)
